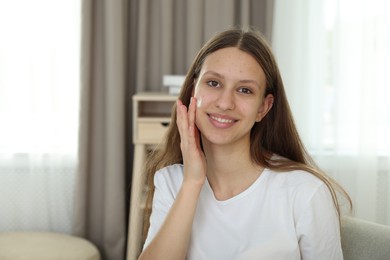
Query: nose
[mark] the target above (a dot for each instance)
(225, 100)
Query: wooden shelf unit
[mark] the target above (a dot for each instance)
(151, 118)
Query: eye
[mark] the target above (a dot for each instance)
(213, 83)
(245, 90)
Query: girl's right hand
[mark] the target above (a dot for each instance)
(177, 225)
(194, 160)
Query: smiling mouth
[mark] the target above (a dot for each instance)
(222, 120)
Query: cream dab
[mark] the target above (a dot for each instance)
(198, 102)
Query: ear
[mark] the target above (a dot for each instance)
(265, 107)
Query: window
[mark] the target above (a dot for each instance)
(39, 104)
(39, 76)
(334, 56)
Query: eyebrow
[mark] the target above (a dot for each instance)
(222, 77)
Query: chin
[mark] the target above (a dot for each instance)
(216, 139)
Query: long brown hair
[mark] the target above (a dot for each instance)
(275, 134)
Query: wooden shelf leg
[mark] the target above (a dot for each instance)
(136, 212)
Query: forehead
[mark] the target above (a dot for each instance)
(232, 61)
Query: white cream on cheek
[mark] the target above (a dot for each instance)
(199, 102)
(199, 98)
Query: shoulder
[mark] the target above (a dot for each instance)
(307, 195)
(171, 171)
(295, 179)
(169, 177)
(306, 192)
(300, 186)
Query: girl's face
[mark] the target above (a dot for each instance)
(230, 93)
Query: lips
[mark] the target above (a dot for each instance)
(221, 121)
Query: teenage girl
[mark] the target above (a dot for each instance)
(233, 179)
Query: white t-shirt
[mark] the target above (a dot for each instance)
(287, 215)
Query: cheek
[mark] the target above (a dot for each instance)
(250, 111)
(203, 100)
(199, 102)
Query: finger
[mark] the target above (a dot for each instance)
(191, 116)
(197, 137)
(181, 113)
(181, 118)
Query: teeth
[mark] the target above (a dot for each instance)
(222, 120)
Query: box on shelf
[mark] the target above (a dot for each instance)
(174, 83)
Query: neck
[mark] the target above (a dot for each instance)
(230, 169)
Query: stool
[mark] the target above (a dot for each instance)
(45, 246)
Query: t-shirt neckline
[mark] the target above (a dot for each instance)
(242, 194)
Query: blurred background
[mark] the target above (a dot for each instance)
(69, 69)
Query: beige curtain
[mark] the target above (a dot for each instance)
(100, 201)
(170, 32)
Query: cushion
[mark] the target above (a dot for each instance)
(45, 246)
(362, 240)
